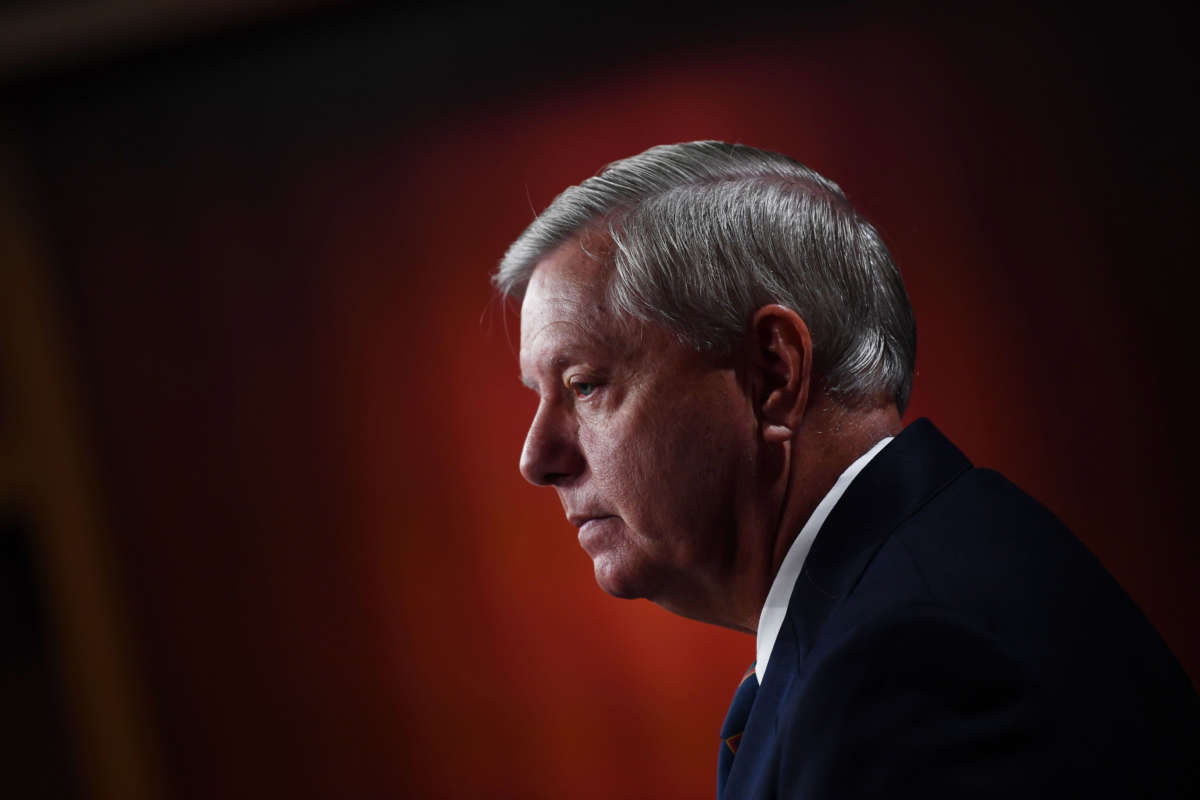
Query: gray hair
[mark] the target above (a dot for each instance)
(706, 233)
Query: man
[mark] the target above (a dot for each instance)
(722, 350)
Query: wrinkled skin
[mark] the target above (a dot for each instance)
(649, 444)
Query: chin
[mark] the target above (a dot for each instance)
(618, 579)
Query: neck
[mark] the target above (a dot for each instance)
(829, 440)
(794, 477)
(824, 447)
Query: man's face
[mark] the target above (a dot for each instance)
(648, 442)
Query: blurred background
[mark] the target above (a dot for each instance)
(261, 528)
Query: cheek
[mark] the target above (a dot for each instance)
(620, 460)
(704, 426)
(670, 465)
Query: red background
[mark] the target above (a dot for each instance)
(276, 252)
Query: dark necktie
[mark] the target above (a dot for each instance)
(735, 723)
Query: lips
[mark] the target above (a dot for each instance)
(579, 520)
(598, 534)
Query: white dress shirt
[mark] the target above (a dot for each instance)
(775, 609)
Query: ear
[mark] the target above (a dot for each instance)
(781, 370)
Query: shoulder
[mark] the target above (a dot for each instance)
(983, 649)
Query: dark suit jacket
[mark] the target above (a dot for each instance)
(948, 637)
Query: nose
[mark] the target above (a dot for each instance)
(551, 455)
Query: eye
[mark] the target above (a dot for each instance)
(582, 389)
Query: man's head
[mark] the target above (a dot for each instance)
(702, 234)
(693, 318)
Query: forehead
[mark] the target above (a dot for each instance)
(565, 308)
(568, 277)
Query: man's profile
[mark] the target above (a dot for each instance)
(722, 351)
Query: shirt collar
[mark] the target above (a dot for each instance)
(775, 609)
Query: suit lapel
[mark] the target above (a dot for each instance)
(906, 474)
(894, 485)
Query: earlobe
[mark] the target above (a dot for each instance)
(782, 363)
(777, 434)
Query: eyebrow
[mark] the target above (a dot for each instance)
(557, 364)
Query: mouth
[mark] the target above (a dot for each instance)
(583, 520)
